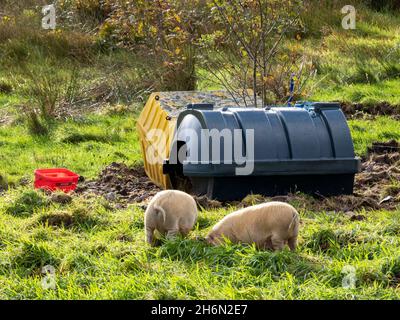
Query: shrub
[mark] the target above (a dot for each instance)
(248, 53)
(86, 13)
(163, 34)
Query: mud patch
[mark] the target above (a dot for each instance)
(376, 187)
(378, 182)
(368, 111)
(122, 184)
(60, 198)
(57, 219)
(204, 203)
(383, 148)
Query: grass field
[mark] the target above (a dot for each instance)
(98, 250)
(359, 65)
(85, 146)
(101, 253)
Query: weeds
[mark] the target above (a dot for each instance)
(3, 183)
(45, 90)
(31, 257)
(391, 269)
(24, 204)
(76, 138)
(5, 87)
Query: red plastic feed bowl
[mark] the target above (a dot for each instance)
(56, 179)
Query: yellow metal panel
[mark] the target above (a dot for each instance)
(155, 149)
(159, 106)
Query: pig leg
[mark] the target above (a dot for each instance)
(150, 236)
(265, 245)
(292, 242)
(184, 231)
(277, 244)
(172, 233)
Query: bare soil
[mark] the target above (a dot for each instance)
(122, 184)
(376, 187)
(366, 111)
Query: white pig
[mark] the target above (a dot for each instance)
(170, 212)
(269, 225)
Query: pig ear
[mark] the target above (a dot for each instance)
(158, 212)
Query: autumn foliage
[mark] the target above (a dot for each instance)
(237, 42)
(162, 32)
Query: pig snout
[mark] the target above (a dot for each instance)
(201, 239)
(211, 239)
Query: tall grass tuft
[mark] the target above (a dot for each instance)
(44, 88)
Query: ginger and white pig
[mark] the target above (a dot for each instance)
(170, 212)
(269, 225)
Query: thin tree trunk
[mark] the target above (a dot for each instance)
(255, 80)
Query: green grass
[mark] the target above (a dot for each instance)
(360, 65)
(8, 103)
(107, 258)
(88, 145)
(364, 132)
(99, 252)
(386, 91)
(84, 146)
